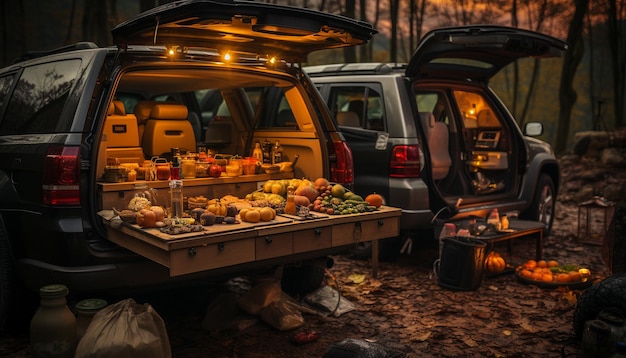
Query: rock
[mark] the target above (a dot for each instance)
(598, 140)
(613, 192)
(583, 194)
(613, 158)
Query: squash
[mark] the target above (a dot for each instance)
(374, 200)
(494, 263)
(217, 208)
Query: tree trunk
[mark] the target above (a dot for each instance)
(393, 14)
(349, 53)
(567, 94)
(617, 60)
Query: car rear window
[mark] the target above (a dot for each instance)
(39, 98)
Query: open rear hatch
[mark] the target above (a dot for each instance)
(263, 29)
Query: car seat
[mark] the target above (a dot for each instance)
(168, 128)
(122, 138)
(437, 137)
(348, 119)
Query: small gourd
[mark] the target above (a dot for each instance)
(494, 263)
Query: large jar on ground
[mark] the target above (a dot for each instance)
(53, 327)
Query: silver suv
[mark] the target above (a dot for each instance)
(434, 139)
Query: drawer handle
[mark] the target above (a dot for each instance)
(381, 222)
(221, 246)
(192, 251)
(268, 240)
(318, 232)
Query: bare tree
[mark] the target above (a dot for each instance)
(617, 47)
(393, 18)
(573, 56)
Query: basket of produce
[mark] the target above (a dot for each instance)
(552, 274)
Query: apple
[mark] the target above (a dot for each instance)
(215, 170)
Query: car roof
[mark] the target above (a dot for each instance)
(242, 26)
(477, 52)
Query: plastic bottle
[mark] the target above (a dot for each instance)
(290, 205)
(53, 327)
(277, 153)
(257, 152)
(176, 196)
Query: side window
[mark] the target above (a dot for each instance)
(435, 103)
(476, 111)
(39, 98)
(357, 106)
(5, 86)
(272, 108)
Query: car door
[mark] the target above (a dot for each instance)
(471, 56)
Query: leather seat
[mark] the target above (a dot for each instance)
(168, 128)
(437, 137)
(122, 138)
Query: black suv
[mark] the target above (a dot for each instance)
(434, 139)
(226, 72)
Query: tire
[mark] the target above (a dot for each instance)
(543, 204)
(7, 281)
(608, 293)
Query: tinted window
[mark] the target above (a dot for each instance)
(39, 98)
(5, 85)
(363, 101)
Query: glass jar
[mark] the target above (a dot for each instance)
(85, 310)
(290, 206)
(189, 168)
(615, 320)
(53, 327)
(596, 339)
(163, 171)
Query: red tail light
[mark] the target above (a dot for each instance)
(405, 162)
(61, 176)
(341, 166)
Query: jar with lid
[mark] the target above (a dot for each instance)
(615, 320)
(596, 339)
(163, 171)
(85, 310)
(53, 327)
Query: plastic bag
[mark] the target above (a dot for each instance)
(282, 315)
(125, 329)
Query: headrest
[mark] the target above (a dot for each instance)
(427, 118)
(169, 111)
(116, 107)
(349, 119)
(142, 110)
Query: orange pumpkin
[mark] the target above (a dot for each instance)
(494, 263)
(374, 200)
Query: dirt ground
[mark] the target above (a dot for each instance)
(404, 309)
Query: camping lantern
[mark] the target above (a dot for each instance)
(594, 217)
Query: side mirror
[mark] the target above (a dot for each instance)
(533, 129)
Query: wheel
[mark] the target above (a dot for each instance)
(608, 293)
(544, 203)
(7, 280)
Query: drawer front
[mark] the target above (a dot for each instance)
(380, 229)
(270, 246)
(350, 233)
(212, 256)
(313, 239)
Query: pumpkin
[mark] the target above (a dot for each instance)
(374, 200)
(494, 263)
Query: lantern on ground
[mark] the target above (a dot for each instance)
(594, 216)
